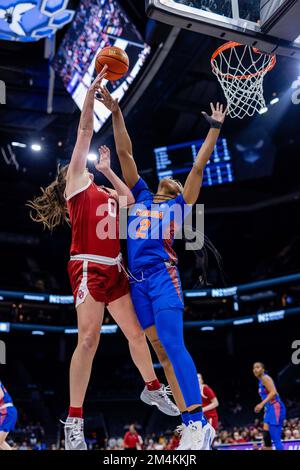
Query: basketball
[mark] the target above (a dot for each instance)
(117, 61)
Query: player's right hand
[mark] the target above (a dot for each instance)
(95, 86)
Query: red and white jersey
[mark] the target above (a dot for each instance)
(94, 219)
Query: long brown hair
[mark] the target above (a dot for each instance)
(50, 207)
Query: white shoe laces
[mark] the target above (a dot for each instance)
(76, 433)
(184, 436)
(165, 391)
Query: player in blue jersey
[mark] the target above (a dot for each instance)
(156, 288)
(274, 408)
(8, 417)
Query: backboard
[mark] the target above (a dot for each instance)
(272, 26)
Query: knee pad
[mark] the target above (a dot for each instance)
(267, 438)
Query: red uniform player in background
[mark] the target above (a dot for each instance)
(209, 403)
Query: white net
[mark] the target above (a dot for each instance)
(241, 70)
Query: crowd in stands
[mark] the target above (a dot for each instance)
(236, 435)
(33, 437)
(90, 29)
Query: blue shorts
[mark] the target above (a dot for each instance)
(275, 414)
(156, 288)
(8, 419)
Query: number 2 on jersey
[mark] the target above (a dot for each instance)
(143, 228)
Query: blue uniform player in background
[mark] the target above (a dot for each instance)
(274, 408)
(8, 417)
(156, 288)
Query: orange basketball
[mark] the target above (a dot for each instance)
(117, 61)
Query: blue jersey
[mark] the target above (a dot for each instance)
(274, 410)
(6, 398)
(263, 392)
(151, 228)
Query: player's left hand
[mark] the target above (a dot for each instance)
(258, 408)
(218, 115)
(103, 164)
(105, 97)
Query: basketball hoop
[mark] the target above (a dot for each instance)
(241, 70)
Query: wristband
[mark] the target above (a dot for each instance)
(215, 124)
(212, 122)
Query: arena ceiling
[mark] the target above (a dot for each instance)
(169, 110)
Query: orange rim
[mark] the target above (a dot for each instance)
(233, 44)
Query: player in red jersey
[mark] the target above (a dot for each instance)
(210, 403)
(95, 268)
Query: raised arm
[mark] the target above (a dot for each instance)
(122, 192)
(76, 170)
(193, 182)
(122, 139)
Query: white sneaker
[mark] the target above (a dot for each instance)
(160, 398)
(209, 434)
(197, 435)
(74, 437)
(185, 437)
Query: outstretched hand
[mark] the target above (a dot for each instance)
(103, 164)
(105, 97)
(95, 86)
(217, 117)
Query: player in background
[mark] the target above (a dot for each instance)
(8, 417)
(132, 439)
(95, 269)
(273, 406)
(210, 403)
(155, 285)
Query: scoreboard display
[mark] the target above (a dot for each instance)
(177, 161)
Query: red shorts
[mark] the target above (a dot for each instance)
(104, 283)
(213, 420)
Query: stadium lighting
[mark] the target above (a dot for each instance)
(36, 147)
(18, 144)
(92, 157)
(263, 110)
(274, 100)
(297, 40)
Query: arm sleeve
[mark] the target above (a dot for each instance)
(208, 392)
(140, 190)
